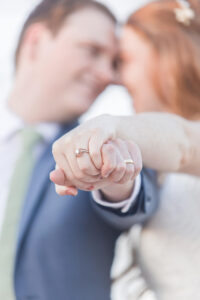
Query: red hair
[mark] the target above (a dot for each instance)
(177, 46)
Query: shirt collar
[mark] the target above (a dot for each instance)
(10, 124)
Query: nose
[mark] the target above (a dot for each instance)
(118, 79)
(106, 73)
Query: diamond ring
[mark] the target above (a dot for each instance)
(80, 151)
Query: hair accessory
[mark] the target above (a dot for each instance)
(185, 14)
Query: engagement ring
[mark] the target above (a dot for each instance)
(80, 151)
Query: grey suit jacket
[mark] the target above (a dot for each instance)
(65, 245)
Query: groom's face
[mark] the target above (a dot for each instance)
(77, 64)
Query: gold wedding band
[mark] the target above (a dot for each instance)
(129, 162)
(80, 151)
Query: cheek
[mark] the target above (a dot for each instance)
(132, 78)
(127, 75)
(140, 86)
(140, 104)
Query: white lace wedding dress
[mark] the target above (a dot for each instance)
(163, 260)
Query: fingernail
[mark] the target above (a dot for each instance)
(72, 192)
(90, 188)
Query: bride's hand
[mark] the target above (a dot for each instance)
(91, 136)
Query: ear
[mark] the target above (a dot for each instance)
(33, 40)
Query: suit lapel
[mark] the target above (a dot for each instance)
(38, 184)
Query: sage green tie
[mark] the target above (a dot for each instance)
(19, 184)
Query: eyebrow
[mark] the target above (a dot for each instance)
(96, 45)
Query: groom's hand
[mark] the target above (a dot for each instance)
(128, 165)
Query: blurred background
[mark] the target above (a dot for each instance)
(114, 100)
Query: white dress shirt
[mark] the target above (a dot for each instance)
(10, 146)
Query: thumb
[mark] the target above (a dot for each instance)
(58, 177)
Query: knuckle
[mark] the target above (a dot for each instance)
(84, 169)
(55, 148)
(79, 176)
(109, 166)
(121, 168)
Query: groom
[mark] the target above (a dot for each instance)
(65, 58)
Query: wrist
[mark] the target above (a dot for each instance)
(118, 192)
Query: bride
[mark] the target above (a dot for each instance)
(166, 260)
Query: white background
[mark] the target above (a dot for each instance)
(12, 15)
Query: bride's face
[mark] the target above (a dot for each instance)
(139, 69)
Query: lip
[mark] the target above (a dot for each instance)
(91, 81)
(92, 87)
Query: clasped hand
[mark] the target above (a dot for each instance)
(119, 162)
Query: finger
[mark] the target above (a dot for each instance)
(86, 166)
(109, 159)
(119, 172)
(85, 162)
(124, 155)
(68, 162)
(58, 177)
(64, 191)
(74, 166)
(136, 156)
(62, 164)
(71, 182)
(96, 141)
(129, 174)
(64, 186)
(111, 152)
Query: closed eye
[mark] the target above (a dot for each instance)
(93, 51)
